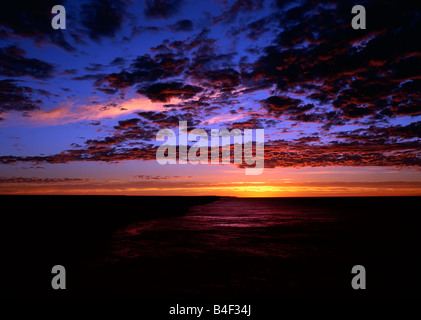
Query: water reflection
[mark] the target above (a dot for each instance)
(268, 227)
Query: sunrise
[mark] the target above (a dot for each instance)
(249, 120)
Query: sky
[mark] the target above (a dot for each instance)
(80, 107)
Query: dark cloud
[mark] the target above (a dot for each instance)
(240, 6)
(162, 9)
(90, 77)
(128, 142)
(128, 124)
(223, 79)
(200, 41)
(410, 131)
(251, 123)
(68, 72)
(281, 4)
(93, 153)
(356, 154)
(209, 67)
(138, 30)
(160, 118)
(109, 91)
(200, 105)
(318, 72)
(17, 98)
(41, 180)
(103, 18)
(407, 68)
(146, 69)
(257, 28)
(119, 61)
(166, 120)
(406, 100)
(182, 25)
(278, 105)
(358, 73)
(164, 91)
(128, 133)
(160, 178)
(307, 139)
(278, 153)
(363, 97)
(204, 65)
(95, 67)
(13, 63)
(31, 19)
(309, 117)
(135, 130)
(300, 110)
(382, 135)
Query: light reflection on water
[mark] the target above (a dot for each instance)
(268, 227)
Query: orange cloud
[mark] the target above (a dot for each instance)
(68, 112)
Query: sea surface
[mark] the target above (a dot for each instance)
(218, 248)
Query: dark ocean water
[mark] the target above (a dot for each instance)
(231, 248)
(251, 227)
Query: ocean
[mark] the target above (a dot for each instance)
(212, 249)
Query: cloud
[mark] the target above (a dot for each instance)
(182, 25)
(382, 134)
(168, 119)
(281, 4)
(251, 123)
(35, 180)
(283, 153)
(160, 118)
(406, 100)
(318, 57)
(164, 91)
(226, 79)
(103, 18)
(163, 178)
(203, 67)
(220, 118)
(29, 19)
(97, 77)
(145, 69)
(68, 112)
(135, 130)
(240, 6)
(162, 9)
(336, 95)
(128, 124)
(278, 105)
(91, 154)
(126, 143)
(257, 28)
(18, 98)
(118, 61)
(14, 64)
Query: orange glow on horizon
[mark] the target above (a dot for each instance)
(219, 181)
(246, 191)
